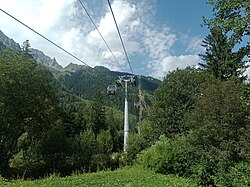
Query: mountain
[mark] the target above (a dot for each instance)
(9, 42)
(85, 81)
(39, 56)
(73, 67)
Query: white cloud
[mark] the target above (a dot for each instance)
(66, 23)
(124, 16)
(45, 16)
(40, 15)
(193, 44)
(170, 63)
(158, 43)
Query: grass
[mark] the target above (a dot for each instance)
(126, 177)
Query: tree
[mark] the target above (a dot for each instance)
(220, 119)
(93, 115)
(232, 17)
(220, 59)
(230, 24)
(28, 102)
(114, 123)
(84, 148)
(104, 150)
(176, 96)
(26, 47)
(54, 148)
(220, 128)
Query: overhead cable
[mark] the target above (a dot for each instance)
(120, 37)
(100, 34)
(47, 39)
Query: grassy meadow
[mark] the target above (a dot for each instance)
(128, 176)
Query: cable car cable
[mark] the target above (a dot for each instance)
(100, 34)
(49, 40)
(120, 37)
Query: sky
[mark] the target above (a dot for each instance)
(159, 35)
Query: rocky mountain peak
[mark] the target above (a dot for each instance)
(9, 42)
(39, 56)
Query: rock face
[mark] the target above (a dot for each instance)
(39, 56)
(9, 42)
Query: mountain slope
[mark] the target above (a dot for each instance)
(39, 56)
(9, 42)
(85, 81)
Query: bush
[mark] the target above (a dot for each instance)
(239, 175)
(169, 156)
(139, 142)
(27, 168)
(204, 172)
(136, 143)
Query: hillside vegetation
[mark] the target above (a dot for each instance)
(85, 82)
(197, 127)
(45, 128)
(129, 176)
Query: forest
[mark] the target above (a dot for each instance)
(197, 125)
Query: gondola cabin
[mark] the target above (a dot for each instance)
(112, 90)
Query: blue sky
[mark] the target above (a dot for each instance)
(159, 35)
(184, 15)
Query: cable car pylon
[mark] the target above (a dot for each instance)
(120, 81)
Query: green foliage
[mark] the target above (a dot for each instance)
(26, 47)
(104, 150)
(218, 136)
(128, 176)
(139, 142)
(204, 172)
(104, 142)
(239, 175)
(97, 114)
(220, 60)
(176, 96)
(232, 16)
(83, 149)
(92, 115)
(54, 147)
(114, 122)
(136, 144)
(169, 156)
(220, 118)
(86, 83)
(226, 46)
(27, 101)
(47, 129)
(220, 125)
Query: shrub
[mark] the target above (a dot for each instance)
(204, 172)
(169, 156)
(136, 143)
(239, 175)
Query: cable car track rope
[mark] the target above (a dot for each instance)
(120, 37)
(72, 55)
(100, 34)
(69, 53)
